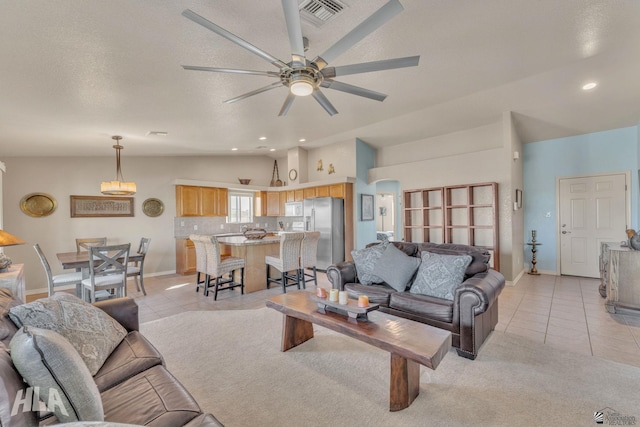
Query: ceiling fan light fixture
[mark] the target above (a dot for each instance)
(301, 85)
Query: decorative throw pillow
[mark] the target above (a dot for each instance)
(396, 268)
(440, 275)
(365, 261)
(91, 331)
(55, 370)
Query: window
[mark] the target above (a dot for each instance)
(240, 207)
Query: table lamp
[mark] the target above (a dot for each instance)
(7, 239)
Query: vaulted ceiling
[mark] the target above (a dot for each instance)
(75, 72)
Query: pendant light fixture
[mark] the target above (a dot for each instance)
(118, 187)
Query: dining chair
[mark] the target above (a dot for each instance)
(136, 269)
(309, 257)
(218, 265)
(58, 280)
(84, 244)
(288, 262)
(201, 260)
(108, 271)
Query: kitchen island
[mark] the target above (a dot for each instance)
(253, 252)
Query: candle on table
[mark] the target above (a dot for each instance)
(333, 295)
(321, 293)
(342, 297)
(363, 301)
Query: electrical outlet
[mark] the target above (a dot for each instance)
(181, 223)
(221, 226)
(548, 215)
(195, 227)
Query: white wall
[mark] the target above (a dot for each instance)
(342, 156)
(154, 176)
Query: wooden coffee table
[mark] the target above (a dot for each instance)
(410, 343)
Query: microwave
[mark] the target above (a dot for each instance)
(293, 209)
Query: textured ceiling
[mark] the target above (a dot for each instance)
(75, 72)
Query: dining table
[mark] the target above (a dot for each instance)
(80, 261)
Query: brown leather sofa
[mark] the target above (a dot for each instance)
(134, 384)
(470, 317)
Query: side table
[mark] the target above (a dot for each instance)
(13, 279)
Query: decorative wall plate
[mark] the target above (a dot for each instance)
(38, 204)
(153, 207)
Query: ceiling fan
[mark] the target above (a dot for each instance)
(303, 76)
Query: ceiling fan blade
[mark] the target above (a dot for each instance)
(367, 67)
(287, 104)
(231, 70)
(353, 90)
(254, 92)
(322, 100)
(369, 25)
(232, 37)
(294, 28)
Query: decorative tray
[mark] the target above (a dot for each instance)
(38, 204)
(351, 308)
(153, 207)
(255, 233)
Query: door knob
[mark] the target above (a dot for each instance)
(566, 232)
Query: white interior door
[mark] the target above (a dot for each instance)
(593, 209)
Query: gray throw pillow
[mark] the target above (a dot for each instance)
(440, 275)
(50, 364)
(396, 268)
(365, 261)
(91, 331)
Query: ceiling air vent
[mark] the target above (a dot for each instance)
(320, 11)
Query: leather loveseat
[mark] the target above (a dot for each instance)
(470, 316)
(133, 383)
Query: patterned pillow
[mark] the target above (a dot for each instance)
(50, 364)
(91, 331)
(365, 261)
(440, 275)
(396, 268)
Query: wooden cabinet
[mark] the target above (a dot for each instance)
(290, 196)
(273, 203)
(337, 190)
(464, 214)
(322, 191)
(185, 257)
(309, 193)
(260, 203)
(283, 201)
(298, 195)
(201, 201)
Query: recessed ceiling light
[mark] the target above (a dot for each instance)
(261, 147)
(157, 133)
(234, 149)
(589, 86)
(262, 138)
(272, 149)
(301, 140)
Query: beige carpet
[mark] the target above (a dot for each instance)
(230, 361)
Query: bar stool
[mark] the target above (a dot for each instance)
(218, 265)
(309, 257)
(201, 259)
(289, 261)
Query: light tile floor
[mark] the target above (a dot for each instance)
(560, 311)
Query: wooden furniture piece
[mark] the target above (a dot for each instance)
(465, 214)
(253, 252)
(287, 263)
(13, 279)
(201, 201)
(135, 270)
(620, 275)
(410, 343)
(185, 257)
(81, 261)
(84, 244)
(64, 279)
(109, 272)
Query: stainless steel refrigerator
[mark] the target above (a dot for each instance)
(326, 215)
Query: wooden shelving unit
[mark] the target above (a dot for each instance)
(464, 214)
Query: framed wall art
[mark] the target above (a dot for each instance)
(366, 207)
(100, 206)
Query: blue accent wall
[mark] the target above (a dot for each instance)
(365, 160)
(544, 161)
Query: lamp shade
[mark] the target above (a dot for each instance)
(7, 239)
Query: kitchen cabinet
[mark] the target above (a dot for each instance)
(322, 191)
(337, 190)
(298, 195)
(283, 201)
(273, 203)
(201, 201)
(291, 196)
(260, 203)
(309, 193)
(185, 257)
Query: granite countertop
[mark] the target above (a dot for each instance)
(243, 241)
